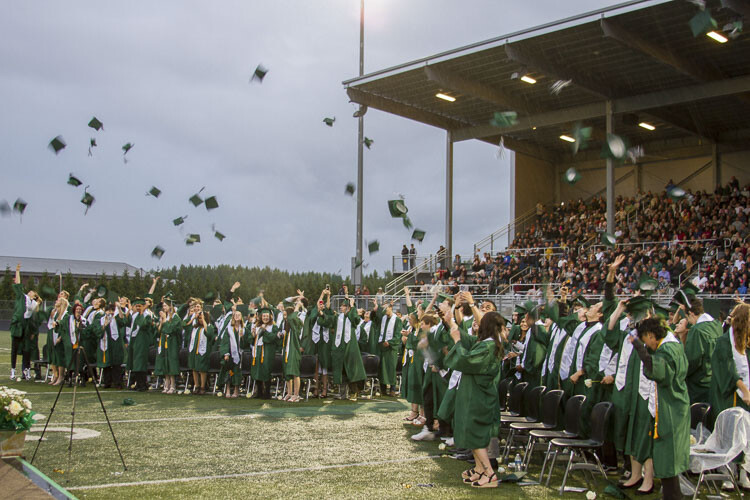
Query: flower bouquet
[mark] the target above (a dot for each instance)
(16, 418)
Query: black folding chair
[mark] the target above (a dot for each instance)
(572, 421)
(502, 393)
(515, 403)
(307, 366)
(532, 400)
(183, 360)
(550, 412)
(699, 414)
(214, 367)
(371, 362)
(277, 371)
(247, 361)
(45, 362)
(600, 416)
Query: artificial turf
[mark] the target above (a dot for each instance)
(271, 449)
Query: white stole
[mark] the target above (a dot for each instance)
(133, 333)
(72, 329)
(386, 328)
(570, 348)
(653, 394)
(625, 351)
(584, 343)
(343, 327)
(558, 334)
(703, 318)
(202, 340)
(235, 352)
(31, 307)
(740, 363)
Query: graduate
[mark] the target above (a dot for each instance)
(364, 327)
(560, 328)
(266, 337)
(111, 346)
(412, 371)
(345, 356)
(698, 334)
(202, 336)
(577, 373)
(529, 368)
(71, 328)
(24, 307)
(231, 354)
(169, 333)
(139, 337)
(513, 346)
(477, 414)
(389, 339)
(321, 336)
(291, 351)
(57, 319)
(730, 362)
(92, 315)
(665, 362)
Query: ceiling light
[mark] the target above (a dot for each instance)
(533, 128)
(647, 126)
(445, 97)
(528, 79)
(567, 138)
(717, 36)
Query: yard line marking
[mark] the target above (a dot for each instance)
(251, 474)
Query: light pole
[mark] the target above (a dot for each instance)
(357, 275)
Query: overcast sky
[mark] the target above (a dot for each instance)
(172, 78)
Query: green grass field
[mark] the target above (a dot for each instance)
(206, 447)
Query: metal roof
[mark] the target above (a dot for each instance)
(640, 55)
(33, 265)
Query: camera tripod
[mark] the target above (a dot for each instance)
(78, 352)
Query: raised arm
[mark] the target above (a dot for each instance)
(153, 285)
(17, 281)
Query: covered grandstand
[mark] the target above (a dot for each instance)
(634, 69)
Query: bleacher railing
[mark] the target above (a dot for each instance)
(429, 265)
(404, 263)
(496, 238)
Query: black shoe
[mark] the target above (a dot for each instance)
(636, 484)
(647, 492)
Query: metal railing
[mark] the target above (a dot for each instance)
(490, 240)
(430, 264)
(402, 263)
(668, 243)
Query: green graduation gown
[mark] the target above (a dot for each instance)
(477, 409)
(345, 355)
(89, 333)
(534, 354)
(168, 347)
(264, 352)
(290, 346)
(627, 375)
(19, 307)
(699, 346)
(111, 341)
(140, 338)
(70, 333)
(724, 376)
(389, 334)
(321, 337)
(305, 342)
(201, 344)
(448, 404)
(413, 369)
(231, 345)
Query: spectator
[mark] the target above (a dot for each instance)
(412, 256)
(405, 258)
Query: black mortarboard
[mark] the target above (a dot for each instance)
(350, 188)
(20, 206)
(397, 208)
(154, 191)
(96, 124)
(57, 144)
(74, 181)
(329, 121)
(373, 246)
(504, 118)
(418, 235)
(368, 142)
(157, 252)
(211, 203)
(179, 220)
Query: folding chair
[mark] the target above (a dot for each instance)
(572, 420)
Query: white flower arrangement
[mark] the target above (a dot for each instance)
(15, 410)
(590, 495)
(588, 383)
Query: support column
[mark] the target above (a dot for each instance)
(638, 174)
(449, 197)
(512, 198)
(357, 269)
(715, 162)
(556, 173)
(610, 175)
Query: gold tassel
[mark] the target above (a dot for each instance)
(656, 417)
(262, 353)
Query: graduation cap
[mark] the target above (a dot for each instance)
(661, 311)
(92, 144)
(244, 309)
(638, 307)
(96, 124)
(219, 236)
(101, 291)
(193, 238)
(350, 188)
(504, 118)
(196, 199)
(368, 142)
(519, 309)
(418, 235)
(211, 203)
(88, 200)
(57, 144)
(733, 29)
(256, 301)
(397, 208)
(676, 193)
(157, 252)
(259, 73)
(357, 263)
(46, 292)
(531, 308)
(582, 136)
(702, 22)
(407, 222)
(442, 296)
(138, 301)
(647, 285)
(4, 208)
(608, 239)
(74, 181)
(127, 147)
(20, 206)
(209, 297)
(154, 191)
(558, 86)
(179, 220)
(583, 301)
(264, 309)
(373, 247)
(572, 176)
(329, 121)
(615, 147)
(128, 402)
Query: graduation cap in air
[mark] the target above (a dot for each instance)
(350, 188)
(259, 73)
(209, 297)
(418, 235)
(702, 22)
(179, 220)
(638, 307)
(154, 191)
(608, 239)
(46, 292)
(57, 144)
(211, 203)
(397, 208)
(647, 285)
(685, 293)
(193, 238)
(92, 144)
(5, 208)
(661, 311)
(88, 200)
(329, 121)
(504, 118)
(157, 252)
(373, 246)
(368, 142)
(407, 222)
(676, 193)
(357, 263)
(582, 136)
(615, 147)
(127, 147)
(442, 296)
(244, 309)
(572, 176)
(196, 198)
(257, 301)
(101, 291)
(734, 29)
(74, 181)
(219, 236)
(96, 124)
(558, 86)
(20, 206)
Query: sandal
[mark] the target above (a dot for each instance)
(419, 421)
(489, 484)
(468, 473)
(412, 416)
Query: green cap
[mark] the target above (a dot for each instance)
(582, 135)
(157, 252)
(101, 291)
(96, 124)
(244, 309)
(256, 301)
(615, 147)
(265, 309)
(92, 143)
(519, 309)
(46, 292)
(608, 239)
(572, 176)
(219, 236)
(139, 301)
(20, 206)
(350, 188)
(88, 200)
(407, 222)
(211, 203)
(418, 235)
(57, 144)
(74, 181)
(397, 208)
(193, 238)
(259, 73)
(676, 193)
(504, 119)
(209, 297)
(329, 121)
(128, 402)
(638, 307)
(689, 288)
(373, 246)
(179, 220)
(580, 299)
(532, 309)
(702, 22)
(442, 296)
(154, 191)
(647, 284)
(127, 147)
(196, 199)
(661, 311)
(368, 142)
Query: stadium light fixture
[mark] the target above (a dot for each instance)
(528, 79)
(567, 138)
(717, 37)
(445, 97)
(647, 126)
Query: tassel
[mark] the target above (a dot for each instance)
(262, 352)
